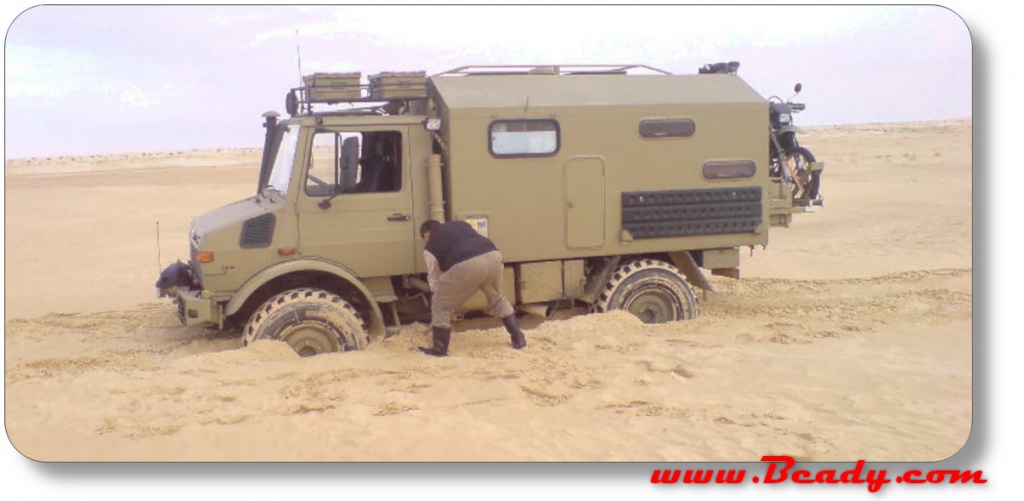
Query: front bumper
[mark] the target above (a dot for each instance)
(195, 309)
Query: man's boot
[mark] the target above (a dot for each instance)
(514, 332)
(442, 335)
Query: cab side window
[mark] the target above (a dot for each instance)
(354, 162)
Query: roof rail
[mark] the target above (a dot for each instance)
(548, 69)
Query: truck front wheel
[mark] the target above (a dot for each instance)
(652, 290)
(311, 321)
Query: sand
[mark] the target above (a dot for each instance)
(848, 337)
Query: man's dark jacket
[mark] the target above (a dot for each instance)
(456, 241)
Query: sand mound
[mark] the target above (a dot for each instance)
(782, 366)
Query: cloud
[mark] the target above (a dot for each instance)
(662, 36)
(134, 96)
(575, 28)
(35, 72)
(52, 76)
(234, 17)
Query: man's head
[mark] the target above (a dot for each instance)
(427, 228)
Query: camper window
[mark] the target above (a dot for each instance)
(524, 138)
(667, 127)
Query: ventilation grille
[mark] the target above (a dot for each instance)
(257, 232)
(685, 213)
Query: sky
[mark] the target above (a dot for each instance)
(109, 79)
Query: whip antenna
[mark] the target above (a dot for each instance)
(298, 55)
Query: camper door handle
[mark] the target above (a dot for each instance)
(399, 217)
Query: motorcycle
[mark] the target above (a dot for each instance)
(790, 161)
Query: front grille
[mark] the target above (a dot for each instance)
(257, 232)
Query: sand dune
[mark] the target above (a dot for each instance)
(848, 338)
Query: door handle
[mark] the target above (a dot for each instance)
(399, 217)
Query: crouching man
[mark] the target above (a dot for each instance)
(460, 262)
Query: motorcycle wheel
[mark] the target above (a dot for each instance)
(798, 163)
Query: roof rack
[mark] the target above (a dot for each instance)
(548, 69)
(337, 88)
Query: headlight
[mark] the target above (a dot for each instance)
(785, 118)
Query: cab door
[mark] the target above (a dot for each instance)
(355, 204)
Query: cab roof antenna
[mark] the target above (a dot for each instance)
(298, 55)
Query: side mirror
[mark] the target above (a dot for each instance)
(291, 103)
(798, 88)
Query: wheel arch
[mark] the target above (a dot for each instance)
(682, 260)
(687, 265)
(306, 273)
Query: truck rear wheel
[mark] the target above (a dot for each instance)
(652, 290)
(311, 321)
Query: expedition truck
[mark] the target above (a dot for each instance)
(601, 186)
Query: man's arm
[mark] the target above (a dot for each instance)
(433, 269)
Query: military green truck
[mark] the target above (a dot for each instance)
(610, 187)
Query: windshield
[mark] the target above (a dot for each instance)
(281, 172)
